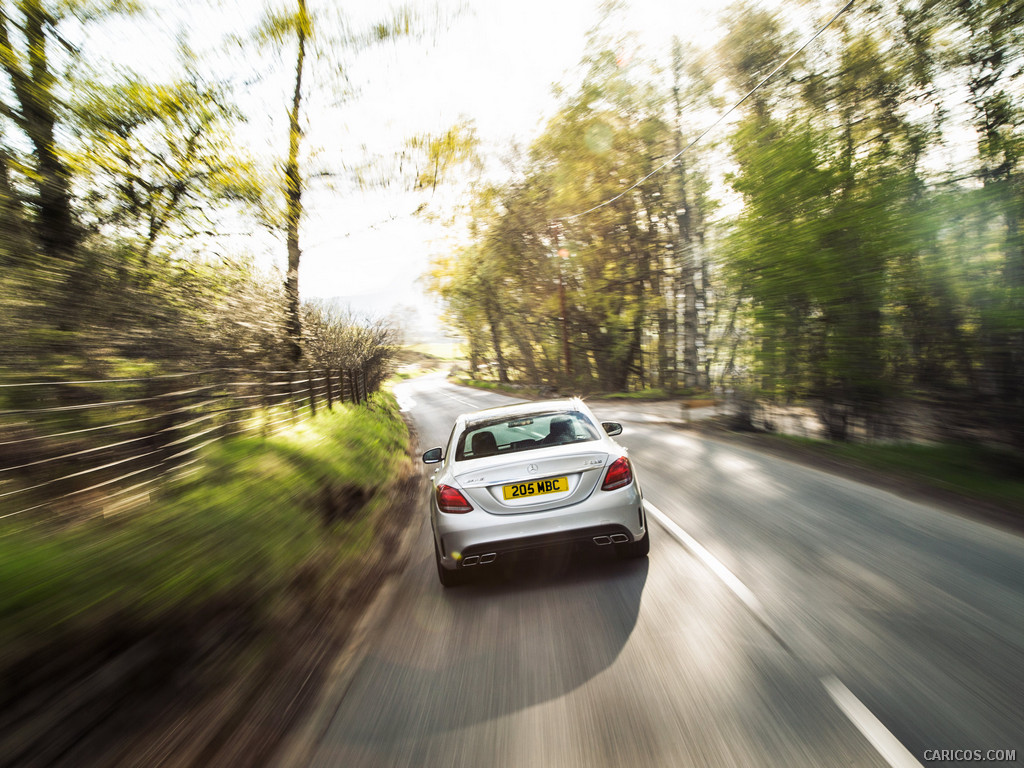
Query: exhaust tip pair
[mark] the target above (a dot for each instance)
(490, 557)
(615, 538)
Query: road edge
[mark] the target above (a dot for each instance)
(300, 743)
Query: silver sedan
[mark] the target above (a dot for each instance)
(527, 477)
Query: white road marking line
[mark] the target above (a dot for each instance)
(455, 397)
(887, 745)
(738, 587)
(481, 395)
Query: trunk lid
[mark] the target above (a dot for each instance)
(483, 482)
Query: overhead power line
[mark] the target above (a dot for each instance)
(715, 124)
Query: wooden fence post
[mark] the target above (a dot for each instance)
(264, 404)
(330, 394)
(291, 396)
(312, 396)
(222, 397)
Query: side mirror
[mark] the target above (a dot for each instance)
(612, 427)
(433, 456)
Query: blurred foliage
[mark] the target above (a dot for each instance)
(156, 160)
(321, 36)
(254, 516)
(859, 267)
(111, 190)
(534, 283)
(441, 153)
(334, 337)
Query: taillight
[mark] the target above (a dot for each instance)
(451, 501)
(619, 474)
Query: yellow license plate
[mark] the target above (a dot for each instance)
(535, 488)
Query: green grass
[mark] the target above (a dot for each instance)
(482, 384)
(245, 523)
(980, 472)
(532, 390)
(651, 393)
(514, 390)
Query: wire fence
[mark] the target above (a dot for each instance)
(81, 448)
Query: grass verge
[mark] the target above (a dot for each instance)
(203, 585)
(981, 472)
(250, 518)
(651, 393)
(525, 391)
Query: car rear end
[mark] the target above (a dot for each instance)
(494, 506)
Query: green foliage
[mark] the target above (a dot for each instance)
(854, 270)
(165, 314)
(538, 274)
(111, 190)
(333, 337)
(158, 159)
(654, 393)
(248, 521)
(842, 245)
(441, 153)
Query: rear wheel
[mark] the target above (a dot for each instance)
(446, 577)
(633, 549)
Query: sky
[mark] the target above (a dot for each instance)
(493, 62)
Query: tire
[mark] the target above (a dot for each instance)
(635, 549)
(446, 577)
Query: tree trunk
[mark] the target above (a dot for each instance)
(293, 199)
(684, 257)
(526, 353)
(684, 243)
(15, 247)
(57, 231)
(494, 321)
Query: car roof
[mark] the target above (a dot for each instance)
(524, 409)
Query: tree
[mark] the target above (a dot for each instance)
(320, 35)
(825, 169)
(690, 90)
(30, 71)
(990, 65)
(440, 154)
(333, 337)
(156, 158)
(531, 246)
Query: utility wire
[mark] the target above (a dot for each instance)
(714, 125)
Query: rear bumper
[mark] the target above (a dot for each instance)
(606, 513)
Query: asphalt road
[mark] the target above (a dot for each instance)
(785, 617)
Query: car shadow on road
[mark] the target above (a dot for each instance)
(513, 638)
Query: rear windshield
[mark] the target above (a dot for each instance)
(524, 433)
